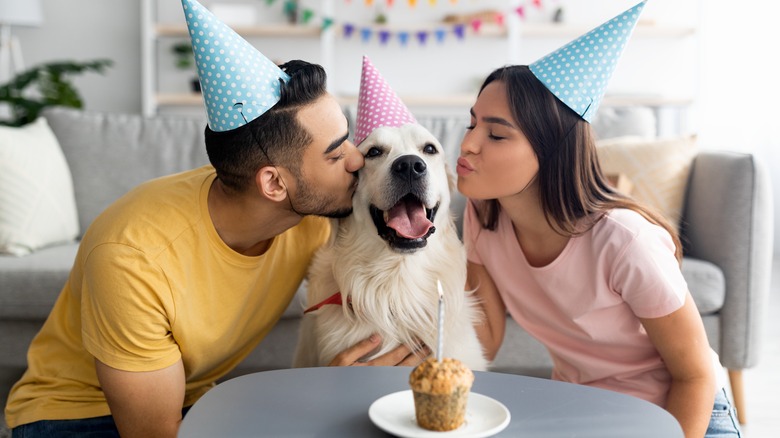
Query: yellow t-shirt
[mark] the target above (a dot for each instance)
(153, 283)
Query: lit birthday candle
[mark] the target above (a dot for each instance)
(440, 346)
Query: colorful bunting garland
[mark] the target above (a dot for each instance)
(411, 2)
(385, 35)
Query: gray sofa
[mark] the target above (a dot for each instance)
(727, 230)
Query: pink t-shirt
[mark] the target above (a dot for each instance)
(584, 305)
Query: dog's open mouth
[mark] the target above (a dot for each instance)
(407, 225)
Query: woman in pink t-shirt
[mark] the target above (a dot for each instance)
(589, 272)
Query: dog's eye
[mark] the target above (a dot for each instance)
(430, 149)
(373, 152)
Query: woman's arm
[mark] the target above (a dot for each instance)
(682, 342)
(490, 328)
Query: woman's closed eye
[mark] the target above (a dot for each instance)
(491, 135)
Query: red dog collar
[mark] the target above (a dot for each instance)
(333, 299)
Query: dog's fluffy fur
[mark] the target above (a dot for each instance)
(391, 280)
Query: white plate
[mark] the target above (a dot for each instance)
(394, 413)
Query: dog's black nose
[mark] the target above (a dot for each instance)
(409, 167)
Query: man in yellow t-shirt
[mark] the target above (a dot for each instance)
(177, 281)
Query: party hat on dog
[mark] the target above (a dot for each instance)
(237, 81)
(378, 105)
(578, 72)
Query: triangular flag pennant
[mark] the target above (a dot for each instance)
(348, 29)
(422, 37)
(440, 34)
(365, 34)
(378, 105)
(403, 37)
(306, 16)
(237, 81)
(326, 23)
(459, 30)
(578, 73)
(384, 36)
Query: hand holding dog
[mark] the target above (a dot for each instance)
(400, 356)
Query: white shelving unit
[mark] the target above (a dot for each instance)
(515, 33)
(154, 32)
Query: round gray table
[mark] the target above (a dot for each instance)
(334, 402)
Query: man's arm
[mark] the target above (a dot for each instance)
(144, 404)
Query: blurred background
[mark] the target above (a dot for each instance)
(704, 66)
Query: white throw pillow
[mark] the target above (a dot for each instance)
(37, 205)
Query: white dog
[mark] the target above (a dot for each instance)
(383, 262)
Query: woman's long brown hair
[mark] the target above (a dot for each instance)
(571, 183)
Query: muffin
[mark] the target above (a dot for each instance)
(441, 391)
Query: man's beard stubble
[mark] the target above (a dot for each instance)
(309, 202)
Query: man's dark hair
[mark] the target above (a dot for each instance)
(274, 138)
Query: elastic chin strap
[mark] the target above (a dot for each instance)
(239, 106)
(289, 198)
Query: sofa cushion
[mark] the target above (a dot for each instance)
(37, 207)
(29, 285)
(109, 154)
(298, 304)
(706, 284)
(658, 170)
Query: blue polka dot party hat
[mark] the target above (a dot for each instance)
(578, 72)
(237, 81)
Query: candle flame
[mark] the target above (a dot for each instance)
(441, 291)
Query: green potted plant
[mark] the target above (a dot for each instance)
(185, 60)
(291, 8)
(45, 85)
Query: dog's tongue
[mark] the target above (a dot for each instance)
(408, 220)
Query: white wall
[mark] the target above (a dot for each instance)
(739, 96)
(736, 93)
(90, 29)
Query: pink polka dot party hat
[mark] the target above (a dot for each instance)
(237, 81)
(578, 72)
(378, 105)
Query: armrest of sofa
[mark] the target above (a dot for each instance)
(727, 220)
